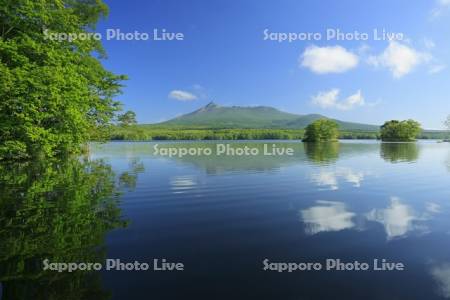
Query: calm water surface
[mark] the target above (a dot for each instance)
(223, 216)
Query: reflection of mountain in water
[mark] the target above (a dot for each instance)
(399, 152)
(321, 153)
(218, 163)
(310, 153)
(59, 211)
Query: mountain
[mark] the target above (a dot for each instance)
(216, 116)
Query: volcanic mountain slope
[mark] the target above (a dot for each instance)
(215, 116)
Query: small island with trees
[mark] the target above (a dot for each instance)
(322, 130)
(326, 130)
(400, 131)
(447, 125)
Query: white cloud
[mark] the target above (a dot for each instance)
(354, 100)
(363, 50)
(182, 95)
(200, 91)
(322, 60)
(429, 43)
(439, 8)
(330, 99)
(399, 58)
(326, 99)
(436, 68)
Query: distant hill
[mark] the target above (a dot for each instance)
(214, 116)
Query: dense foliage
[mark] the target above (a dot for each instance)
(126, 119)
(321, 131)
(143, 133)
(148, 133)
(57, 210)
(400, 131)
(55, 94)
(447, 125)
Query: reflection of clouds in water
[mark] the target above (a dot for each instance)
(330, 178)
(327, 216)
(433, 208)
(441, 274)
(181, 184)
(397, 219)
(353, 177)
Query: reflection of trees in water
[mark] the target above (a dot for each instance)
(60, 211)
(325, 152)
(319, 153)
(128, 179)
(399, 152)
(217, 164)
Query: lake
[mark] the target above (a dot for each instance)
(234, 222)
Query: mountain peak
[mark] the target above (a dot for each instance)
(211, 105)
(213, 115)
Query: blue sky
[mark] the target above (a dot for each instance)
(225, 58)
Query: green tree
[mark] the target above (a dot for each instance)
(400, 131)
(447, 125)
(128, 118)
(55, 94)
(322, 130)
